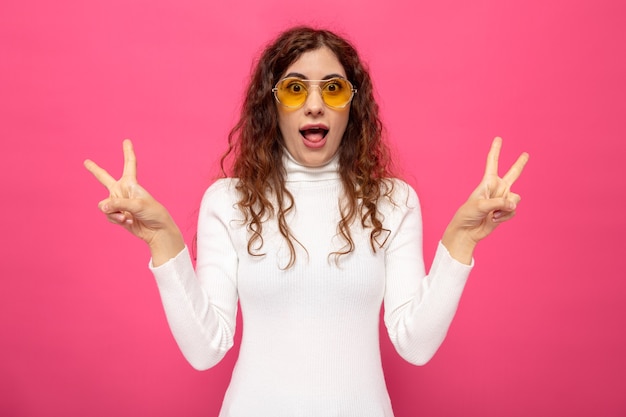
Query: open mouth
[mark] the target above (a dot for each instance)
(314, 134)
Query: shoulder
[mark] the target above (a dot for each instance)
(221, 196)
(222, 186)
(397, 194)
(400, 212)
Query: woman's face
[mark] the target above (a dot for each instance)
(313, 132)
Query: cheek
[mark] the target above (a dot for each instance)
(342, 123)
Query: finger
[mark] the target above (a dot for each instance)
(486, 206)
(117, 218)
(502, 216)
(130, 161)
(516, 169)
(116, 205)
(101, 175)
(511, 203)
(492, 157)
(513, 198)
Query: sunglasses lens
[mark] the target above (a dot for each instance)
(336, 92)
(292, 92)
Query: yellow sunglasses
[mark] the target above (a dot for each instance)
(292, 91)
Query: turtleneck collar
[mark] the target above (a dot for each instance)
(298, 172)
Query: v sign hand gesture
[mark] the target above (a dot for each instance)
(132, 207)
(490, 204)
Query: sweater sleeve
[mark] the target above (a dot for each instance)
(419, 307)
(201, 304)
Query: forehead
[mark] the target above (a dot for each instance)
(317, 64)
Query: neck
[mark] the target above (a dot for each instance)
(298, 172)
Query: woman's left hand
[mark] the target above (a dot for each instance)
(489, 205)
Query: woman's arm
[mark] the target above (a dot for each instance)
(419, 307)
(200, 305)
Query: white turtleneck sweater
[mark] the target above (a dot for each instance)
(310, 344)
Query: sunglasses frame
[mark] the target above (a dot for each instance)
(319, 84)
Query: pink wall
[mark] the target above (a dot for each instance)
(540, 330)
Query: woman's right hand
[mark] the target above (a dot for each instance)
(132, 207)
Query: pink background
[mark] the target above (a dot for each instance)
(540, 330)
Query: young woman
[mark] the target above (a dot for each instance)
(310, 234)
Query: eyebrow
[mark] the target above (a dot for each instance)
(327, 77)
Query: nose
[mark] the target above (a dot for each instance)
(314, 104)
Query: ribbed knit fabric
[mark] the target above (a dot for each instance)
(310, 345)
